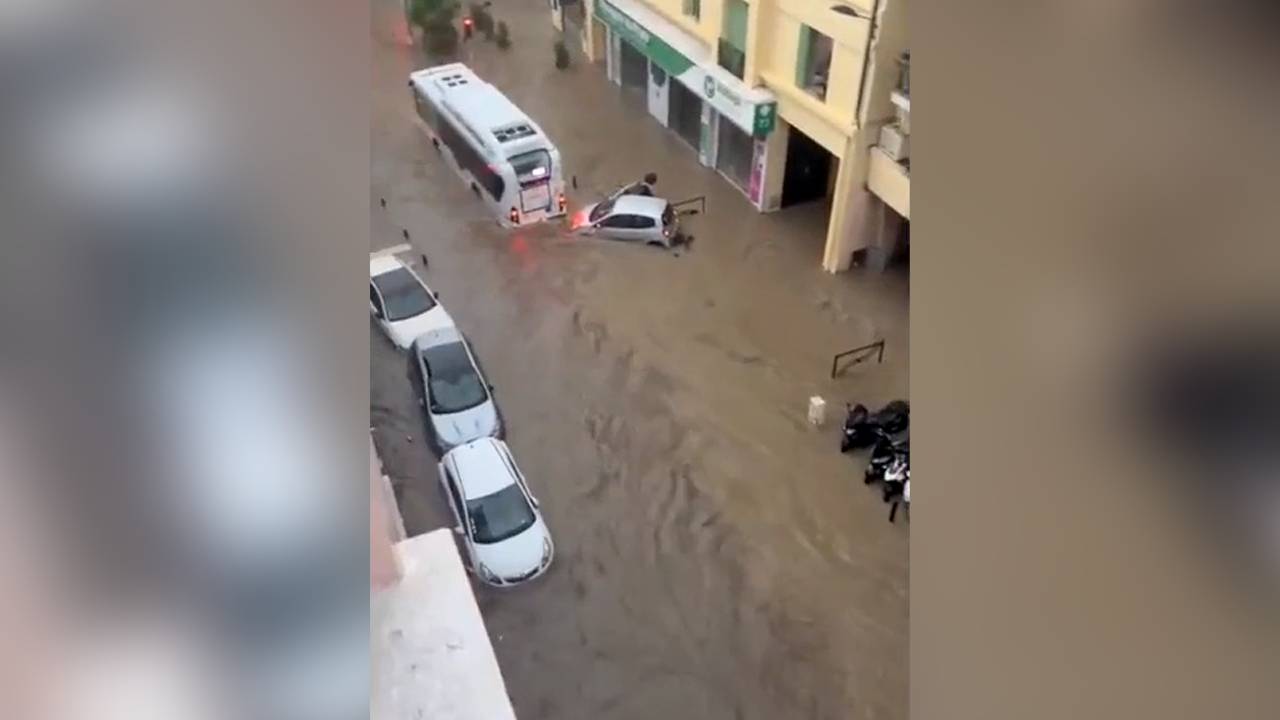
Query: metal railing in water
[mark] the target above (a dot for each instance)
(863, 352)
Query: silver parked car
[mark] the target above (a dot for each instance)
(457, 399)
(638, 218)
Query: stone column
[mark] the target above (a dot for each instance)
(850, 208)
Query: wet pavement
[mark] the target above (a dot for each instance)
(717, 557)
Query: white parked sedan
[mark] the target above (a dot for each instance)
(401, 302)
(506, 540)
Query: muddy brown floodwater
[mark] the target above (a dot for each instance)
(716, 556)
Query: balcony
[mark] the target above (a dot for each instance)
(430, 653)
(890, 181)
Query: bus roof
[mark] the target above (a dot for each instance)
(501, 125)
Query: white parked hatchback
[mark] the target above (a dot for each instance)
(497, 516)
(401, 302)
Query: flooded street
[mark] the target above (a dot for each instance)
(717, 557)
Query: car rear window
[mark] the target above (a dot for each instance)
(402, 295)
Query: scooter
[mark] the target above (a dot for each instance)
(896, 477)
(857, 432)
(883, 454)
(861, 428)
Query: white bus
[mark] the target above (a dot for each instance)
(502, 154)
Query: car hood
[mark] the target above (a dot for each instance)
(517, 556)
(404, 332)
(463, 427)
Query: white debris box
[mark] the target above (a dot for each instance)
(817, 410)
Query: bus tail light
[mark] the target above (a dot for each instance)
(515, 216)
(561, 202)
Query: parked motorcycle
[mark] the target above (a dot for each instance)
(896, 477)
(861, 428)
(883, 453)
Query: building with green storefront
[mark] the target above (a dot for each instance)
(727, 123)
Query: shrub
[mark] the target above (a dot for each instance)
(562, 54)
(482, 19)
(435, 19)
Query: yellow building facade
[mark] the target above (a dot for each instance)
(789, 99)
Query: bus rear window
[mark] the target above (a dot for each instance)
(535, 165)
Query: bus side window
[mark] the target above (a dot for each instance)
(493, 183)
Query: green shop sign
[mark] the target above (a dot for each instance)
(666, 57)
(766, 115)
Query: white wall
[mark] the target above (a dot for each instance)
(431, 655)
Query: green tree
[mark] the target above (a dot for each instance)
(435, 18)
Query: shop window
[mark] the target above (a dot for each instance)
(813, 62)
(732, 51)
(693, 8)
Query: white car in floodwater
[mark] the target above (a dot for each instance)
(497, 517)
(636, 218)
(452, 389)
(401, 302)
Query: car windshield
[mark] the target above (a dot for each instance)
(453, 384)
(402, 294)
(601, 210)
(668, 216)
(503, 514)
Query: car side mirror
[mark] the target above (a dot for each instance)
(490, 387)
(535, 502)
(457, 530)
(377, 312)
(435, 294)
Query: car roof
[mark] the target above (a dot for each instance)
(640, 205)
(382, 264)
(438, 336)
(481, 467)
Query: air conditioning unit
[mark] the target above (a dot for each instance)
(894, 142)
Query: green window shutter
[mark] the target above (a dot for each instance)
(802, 56)
(735, 24)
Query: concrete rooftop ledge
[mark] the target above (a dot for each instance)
(430, 655)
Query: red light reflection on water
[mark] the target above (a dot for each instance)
(524, 251)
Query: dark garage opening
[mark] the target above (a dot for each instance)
(807, 174)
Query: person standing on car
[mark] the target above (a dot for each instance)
(645, 186)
